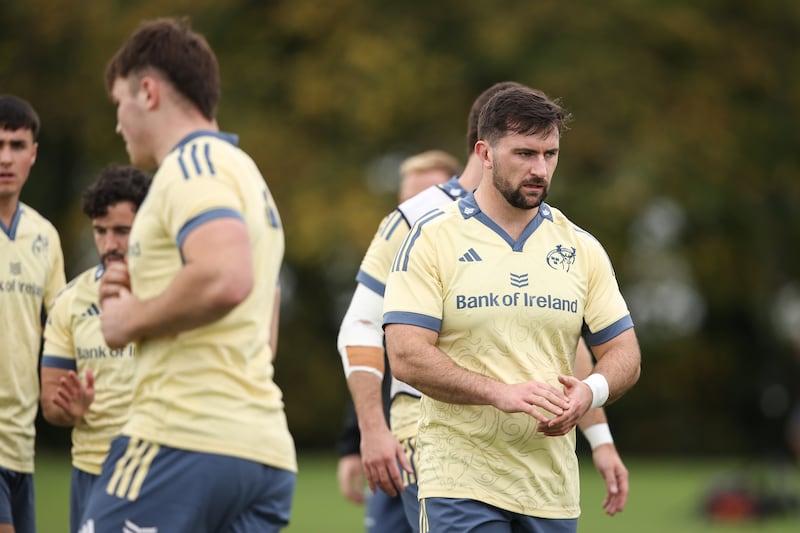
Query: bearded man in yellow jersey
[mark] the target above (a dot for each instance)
(97, 406)
(485, 305)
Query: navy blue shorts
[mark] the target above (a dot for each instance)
(460, 515)
(144, 485)
(80, 487)
(17, 501)
(385, 513)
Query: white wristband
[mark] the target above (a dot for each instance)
(599, 386)
(597, 435)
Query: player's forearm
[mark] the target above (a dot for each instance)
(443, 380)
(594, 427)
(592, 417)
(619, 361)
(416, 360)
(365, 389)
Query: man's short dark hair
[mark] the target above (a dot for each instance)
(113, 185)
(475, 111)
(16, 114)
(180, 55)
(520, 110)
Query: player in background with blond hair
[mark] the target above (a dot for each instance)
(383, 512)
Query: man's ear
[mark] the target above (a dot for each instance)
(484, 153)
(149, 92)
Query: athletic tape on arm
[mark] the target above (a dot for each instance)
(360, 340)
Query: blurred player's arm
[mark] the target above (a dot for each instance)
(349, 472)
(360, 345)
(64, 399)
(350, 475)
(216, 276)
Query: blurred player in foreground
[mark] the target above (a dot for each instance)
(207, 447)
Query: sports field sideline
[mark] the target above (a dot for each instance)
(666, 496)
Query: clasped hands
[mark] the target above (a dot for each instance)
(557, 411)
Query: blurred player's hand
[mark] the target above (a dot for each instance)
(609, 464)
(73, 396)
(351, 478)
(118, 305)
(117, 319)
(380, 453)
(115, 278)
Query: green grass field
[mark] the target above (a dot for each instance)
(665, 497)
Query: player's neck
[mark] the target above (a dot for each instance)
(8, 208)
(512, 220)
(182, 126)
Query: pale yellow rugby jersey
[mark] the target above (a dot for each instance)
(513, 311)
(209, 389)
(73, 341)
(31, 274)
(374, 271)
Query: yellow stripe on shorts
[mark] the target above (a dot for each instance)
(131, 469)
(424, 526)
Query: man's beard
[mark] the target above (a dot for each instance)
(112, 256)
(515, 197)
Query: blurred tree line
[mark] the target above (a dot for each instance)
(682, 159)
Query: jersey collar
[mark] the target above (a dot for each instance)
(453, 188)
(11, 231)
(469, 208)
(231, 138)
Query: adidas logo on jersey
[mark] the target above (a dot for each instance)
(470, 256)
(92, 310)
